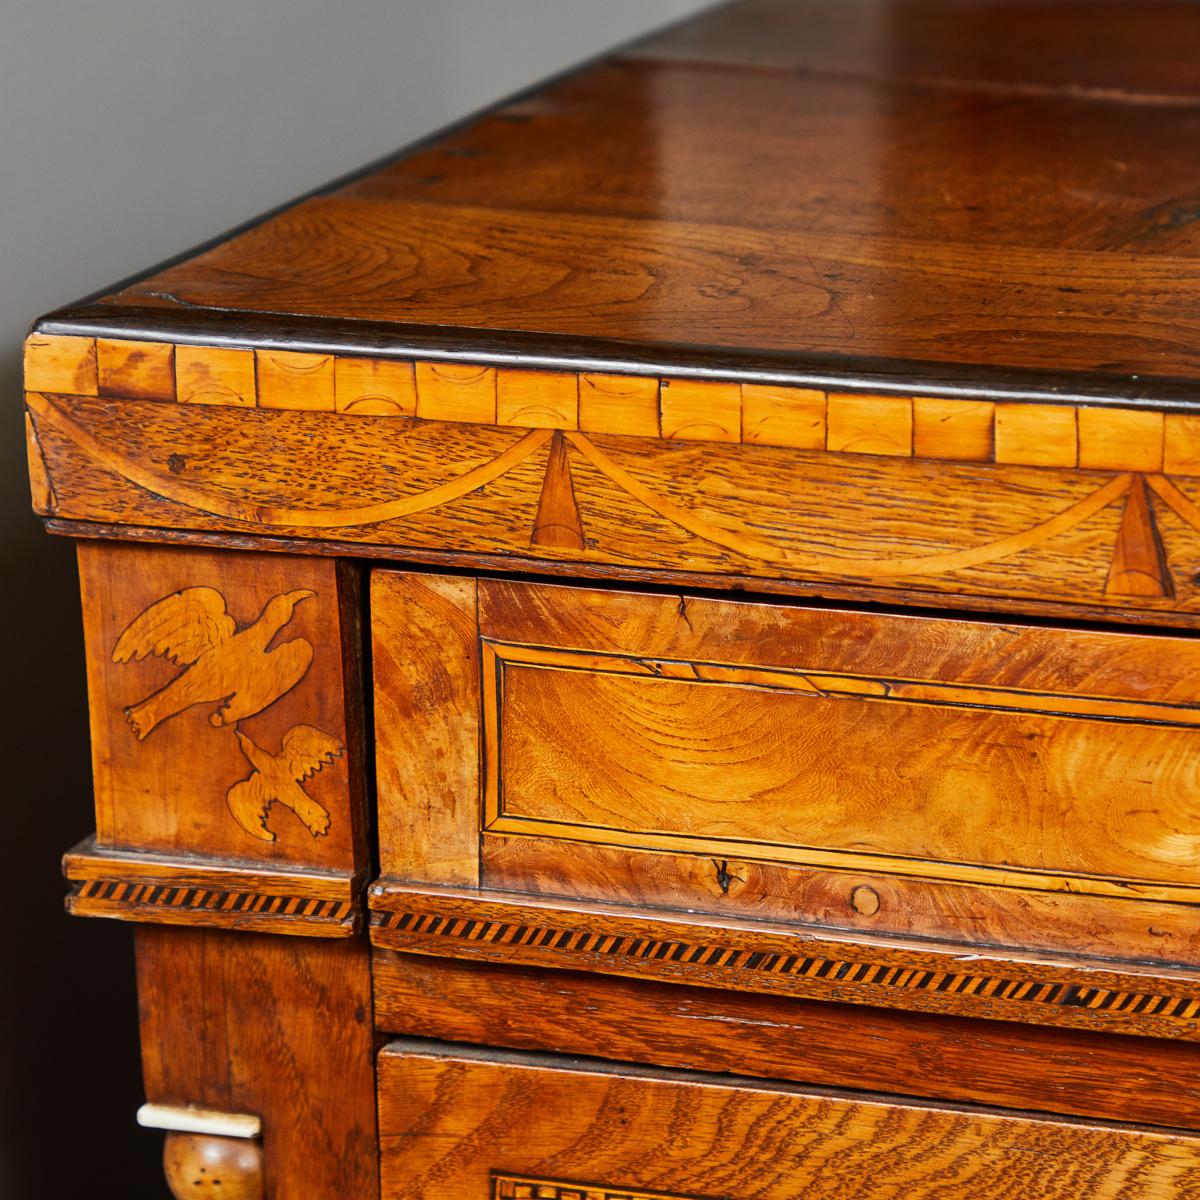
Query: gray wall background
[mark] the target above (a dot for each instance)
(131, 130)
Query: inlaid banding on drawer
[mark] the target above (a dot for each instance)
(763, 957)
(836, 770)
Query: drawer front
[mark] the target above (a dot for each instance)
(1012, 785)
(460, 1124)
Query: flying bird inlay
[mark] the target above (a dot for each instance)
(224, 666)
(276, 779)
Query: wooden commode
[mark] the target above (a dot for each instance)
(646, 647)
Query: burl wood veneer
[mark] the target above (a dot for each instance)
(645, 648)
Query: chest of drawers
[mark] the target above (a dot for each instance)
(646, 647)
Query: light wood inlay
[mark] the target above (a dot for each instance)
(1040, 435)
(211, 375)
(538, 400)
(955, 429)
(61, 364)
(174, 890)
(626, 403)
(705, 412)
(1045, 435)
(1120, 439)
(775, 958)
(454, 392)
(220, 684)
(780, 416)
(519, 1187)
(137, 370)
(1181, 444)
(870, 425)
(288, 379)
(374, 387)
(1139, 566)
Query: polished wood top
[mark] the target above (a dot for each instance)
(996, 198)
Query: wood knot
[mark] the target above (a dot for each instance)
(864, 901)
(724, 875)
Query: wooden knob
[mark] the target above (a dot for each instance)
(199, 1164)
(864, 901)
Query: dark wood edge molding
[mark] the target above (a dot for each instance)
(1134, 998)
(558, 352)
(129, 886)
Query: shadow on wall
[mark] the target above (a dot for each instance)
(71, 1078)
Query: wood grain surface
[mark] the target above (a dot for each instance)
(455, 1122)
(990, 784)
(224, 699)
(425, 666)
(862, 900)
(278, 1027)
(941, 532)
(928, 190)
(882, 303)
(876, 294)
(1143, 61)
(901, 775)
(1069, 1071)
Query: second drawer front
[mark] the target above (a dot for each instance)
(1009, 784)
(460, 1124)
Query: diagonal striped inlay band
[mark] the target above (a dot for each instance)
(210, 900)
(1061, 995)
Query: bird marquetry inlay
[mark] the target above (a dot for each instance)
(276, 779)
(223, 665)
(240, 673)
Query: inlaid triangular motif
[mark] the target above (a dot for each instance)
(558, 522)
(1139, 563)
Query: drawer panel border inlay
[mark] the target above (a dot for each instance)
(818, 683)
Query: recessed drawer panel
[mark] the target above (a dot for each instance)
(796, 765)
(460, 1124)
(1011, 785)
